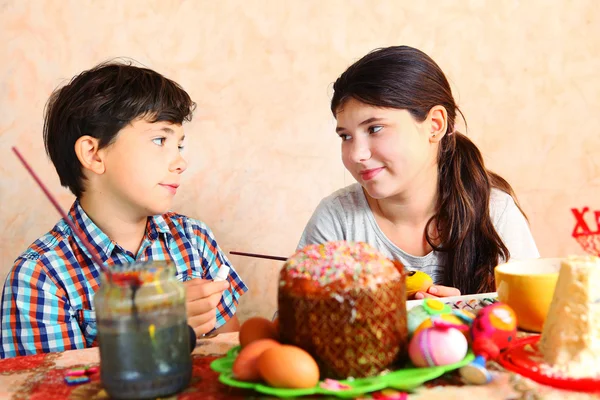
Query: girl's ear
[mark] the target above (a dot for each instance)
(438, 123)
(87, 150)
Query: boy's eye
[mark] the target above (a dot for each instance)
(344, 137)
(375, 128)
(159, 141)
(181, 147)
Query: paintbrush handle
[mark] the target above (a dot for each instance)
(76, 232)
(277, 258)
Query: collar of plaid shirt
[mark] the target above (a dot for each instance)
(100, 241)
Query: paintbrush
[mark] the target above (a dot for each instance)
(277, 258)
(95, 257)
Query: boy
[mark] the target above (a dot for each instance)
(114, 135)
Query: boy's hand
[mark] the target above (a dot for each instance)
(202, 298)
(438, 291)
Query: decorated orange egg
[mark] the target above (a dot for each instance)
(431, 311)
(447, 318)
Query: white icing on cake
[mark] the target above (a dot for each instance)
(570, 340)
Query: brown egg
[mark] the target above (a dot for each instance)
(245, 366)
(257, 328)
(288, 367)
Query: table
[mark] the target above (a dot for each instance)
(41, 377)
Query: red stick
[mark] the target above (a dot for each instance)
(76, 232)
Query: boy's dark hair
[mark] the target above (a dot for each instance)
(101, 101)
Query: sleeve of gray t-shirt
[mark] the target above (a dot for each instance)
(325, 225)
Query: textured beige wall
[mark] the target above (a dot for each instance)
(262, 149)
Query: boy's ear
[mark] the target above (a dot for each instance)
(87, 150)
(438, 122)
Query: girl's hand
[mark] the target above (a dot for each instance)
(435, 291)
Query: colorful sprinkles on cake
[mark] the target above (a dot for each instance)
(338, 261)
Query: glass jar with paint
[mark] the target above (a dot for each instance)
(143, 334)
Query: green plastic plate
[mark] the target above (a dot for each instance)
(402, 379)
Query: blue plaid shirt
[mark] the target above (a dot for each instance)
(47, 296)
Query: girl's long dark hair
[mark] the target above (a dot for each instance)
(406, 78)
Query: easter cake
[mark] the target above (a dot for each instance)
(570, 341)
(344, 303)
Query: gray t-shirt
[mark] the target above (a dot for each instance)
(346, 215)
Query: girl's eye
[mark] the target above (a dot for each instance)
(181, 147)
(344, 137)
(159, 141)
(375, 128)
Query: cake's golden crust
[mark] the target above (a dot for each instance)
(354, 324)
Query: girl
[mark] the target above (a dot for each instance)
(424, 196)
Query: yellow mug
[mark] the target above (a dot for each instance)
(527, 286)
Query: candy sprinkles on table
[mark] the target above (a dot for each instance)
(473, 304)
(77, 376)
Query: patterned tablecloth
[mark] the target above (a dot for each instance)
(42, 377)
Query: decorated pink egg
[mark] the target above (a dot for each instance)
(496, 323)
(437, 346)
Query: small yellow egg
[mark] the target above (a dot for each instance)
(417, 281)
